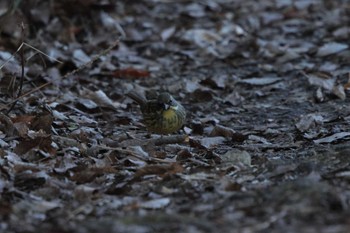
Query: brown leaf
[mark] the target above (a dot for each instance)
(161, 170)
(27, 119)
(29, 181)
(201, 95)
(183, 155)
(220, 130)
(131, 73)
(42, 122)
(38, 122)
(347, 85)
(21, 129)
(218, 82)
(38, 140)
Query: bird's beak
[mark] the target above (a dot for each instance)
(166, 106)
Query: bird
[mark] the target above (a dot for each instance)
(162, 115)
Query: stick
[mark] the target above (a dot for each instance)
(104, 52)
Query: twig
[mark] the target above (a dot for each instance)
(35, 49)
(22, 71)
(83, 66)
(20, 47)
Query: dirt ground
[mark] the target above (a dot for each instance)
(265, 146)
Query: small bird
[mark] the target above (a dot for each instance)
(163, 115)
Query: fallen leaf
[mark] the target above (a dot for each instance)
(202, 37)
(156, 203)
(131, 73)
(220, 130)
(87, 103)
(37, 206)
(258, 139)
(80, 57)
(234, 157)
(217, 82)
(198, 176)
(308, 121)
(321, 79)
(161, 170)
(100, 98)
(201, 95)
(319, 95)
(234, 98)
(331, 48)
(42, 122)
(260, 81)
(347, 85)
(339, 91)
(167, 33)
(207, 142)
(39, 140)
(332, 138)
(183, 155)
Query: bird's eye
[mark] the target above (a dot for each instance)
(161, 106)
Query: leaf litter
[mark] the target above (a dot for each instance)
(265, 145)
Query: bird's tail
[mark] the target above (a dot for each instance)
(141, 100)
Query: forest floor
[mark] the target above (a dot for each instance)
(265, 146)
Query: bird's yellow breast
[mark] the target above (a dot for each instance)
(169, 113)
(171, 121)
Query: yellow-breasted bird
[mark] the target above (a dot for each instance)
(162, 115)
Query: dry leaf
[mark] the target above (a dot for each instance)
(260, 81)
(331, 48)
(332, 138)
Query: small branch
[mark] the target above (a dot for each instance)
(35, 49)
(22, 70)
(22, 65)
(104, 52)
